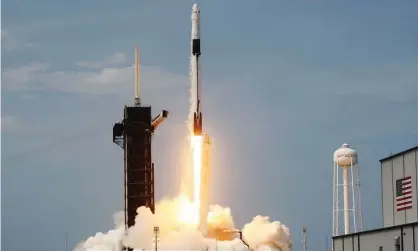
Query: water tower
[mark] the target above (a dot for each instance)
(345, 159)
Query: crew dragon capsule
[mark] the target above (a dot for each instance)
(195, 65)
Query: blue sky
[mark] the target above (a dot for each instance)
(285, 84)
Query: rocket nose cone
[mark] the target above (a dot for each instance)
(195, 8)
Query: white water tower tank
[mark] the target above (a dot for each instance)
(345, 156)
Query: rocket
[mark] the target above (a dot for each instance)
(195, 65)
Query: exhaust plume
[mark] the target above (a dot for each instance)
(175, 233)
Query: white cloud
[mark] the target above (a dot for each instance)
(115, 59)
(10, 42)
(10, 123)
(101, 80)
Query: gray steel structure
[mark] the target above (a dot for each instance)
(402, 224)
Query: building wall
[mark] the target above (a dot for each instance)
(385, 238)
(393, 168)
(387, 194)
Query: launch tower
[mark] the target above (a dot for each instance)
(134, 135)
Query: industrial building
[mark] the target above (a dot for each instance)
(399, 177)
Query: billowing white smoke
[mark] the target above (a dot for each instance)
(260, 234)
(263, 232)
(109, 241)
(220, 217)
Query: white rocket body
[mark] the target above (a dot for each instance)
(195, 69)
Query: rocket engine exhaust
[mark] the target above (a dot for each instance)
(197, 124)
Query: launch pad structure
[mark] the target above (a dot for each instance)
(134, 134)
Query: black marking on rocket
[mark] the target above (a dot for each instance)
(196, 47)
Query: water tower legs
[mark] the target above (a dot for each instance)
(348, 210)
(346, 201)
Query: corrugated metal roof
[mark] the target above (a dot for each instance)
(376, 230)
(400, 153)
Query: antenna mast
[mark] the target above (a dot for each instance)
(66, 241)
(305, 238)
(137, 99)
